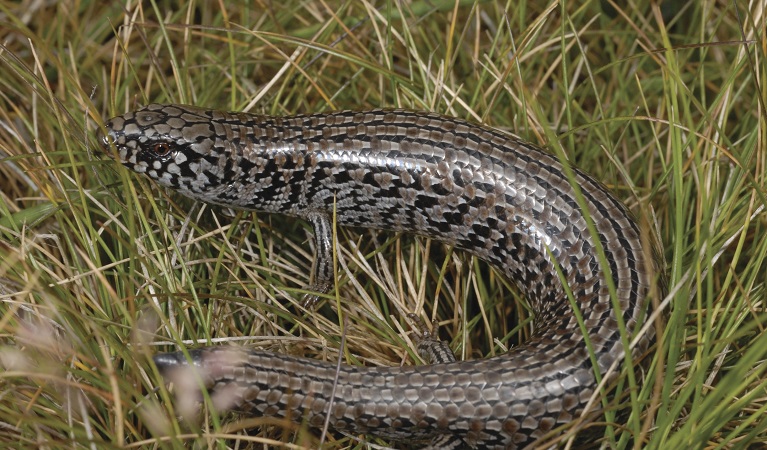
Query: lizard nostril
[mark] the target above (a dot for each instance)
(104, 139)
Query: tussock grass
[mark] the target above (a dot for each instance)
(99, 268)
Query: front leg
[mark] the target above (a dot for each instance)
(322, 267)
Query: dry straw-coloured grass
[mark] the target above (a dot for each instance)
(100, 268)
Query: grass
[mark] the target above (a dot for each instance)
(100, 268)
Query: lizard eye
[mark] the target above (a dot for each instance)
(161, 149)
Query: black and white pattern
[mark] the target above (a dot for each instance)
(470, 186)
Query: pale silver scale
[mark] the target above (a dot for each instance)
(467, 185)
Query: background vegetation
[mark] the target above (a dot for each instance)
(99, 268)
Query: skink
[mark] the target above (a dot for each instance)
(470, 186)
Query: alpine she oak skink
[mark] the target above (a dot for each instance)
(467, 185)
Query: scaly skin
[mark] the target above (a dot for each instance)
(467, 185)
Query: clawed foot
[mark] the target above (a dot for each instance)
(310, 299)
(429, 347)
